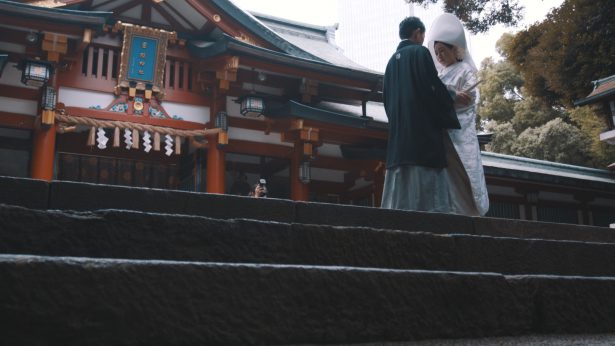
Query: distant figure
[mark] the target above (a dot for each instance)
(419, 109)
(457, 71)
(241, 186)
(260, 189)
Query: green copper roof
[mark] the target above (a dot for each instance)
(229, 44)
(262, 31)
(547, 172)
(85, 18)
(296, 109)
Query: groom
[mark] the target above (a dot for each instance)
(419, 108)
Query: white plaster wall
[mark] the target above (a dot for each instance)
(332, 150)
(197, 114)
(84, 98)
(12, 76)
(13, 105)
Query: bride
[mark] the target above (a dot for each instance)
(457, 71)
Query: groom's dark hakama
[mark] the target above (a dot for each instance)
(419, 108)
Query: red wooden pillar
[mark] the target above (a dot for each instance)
(298, 190)
(43, 152)
(215, 166)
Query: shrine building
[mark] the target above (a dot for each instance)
(198, 94)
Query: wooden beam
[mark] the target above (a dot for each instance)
(106, 115)
(146, 13)
(59, 28)
(299, 72)
(122, 8)
(177, 13)
(227, 24)
(208, 27)
(17, 121)
(20, 92)
(341, 164)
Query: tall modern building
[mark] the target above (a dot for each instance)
(368, 29)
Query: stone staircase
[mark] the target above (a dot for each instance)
(84, 264)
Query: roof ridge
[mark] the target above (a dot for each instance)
(604, 80)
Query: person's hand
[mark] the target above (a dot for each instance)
(259, 191)
(463, 98)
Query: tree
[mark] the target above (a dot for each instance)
(587, 119)
(479, 15)
(561, 55)
(555, 141)
(524, 125)
(503, 138)
(531, 112)
(499, 91)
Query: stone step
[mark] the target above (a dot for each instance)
(82, 197)
(68, 300)
(137, 235)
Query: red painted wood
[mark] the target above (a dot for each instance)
(43, 153)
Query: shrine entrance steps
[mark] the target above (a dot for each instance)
(84, 264)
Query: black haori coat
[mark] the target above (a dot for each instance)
(418, 106)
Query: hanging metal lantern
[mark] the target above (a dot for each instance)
(35, 72)
(305, 172)
(251, 106)
(49, 98)
(48, 104)
(221, 121)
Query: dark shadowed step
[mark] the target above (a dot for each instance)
(50, 300)
(137, 235)
(83, 196)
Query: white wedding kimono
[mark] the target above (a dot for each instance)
(459, 77)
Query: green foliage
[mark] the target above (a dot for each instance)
(587, 119)
(526, 98)
(480, 15)
(531, 112)
(561, 55)
(555, 141)
(503, 138)
(499, 91)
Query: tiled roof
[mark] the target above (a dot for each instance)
(602, 88)
(316, 40)
(540, 170)
(94, 19)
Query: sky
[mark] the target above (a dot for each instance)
(324, 12)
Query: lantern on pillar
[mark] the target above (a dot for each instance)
(221, 121)
(305, 172)
(251, 106)
(35, 72)
(48, 104)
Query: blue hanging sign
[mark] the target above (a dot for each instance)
(142, 61)
(144, 52)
